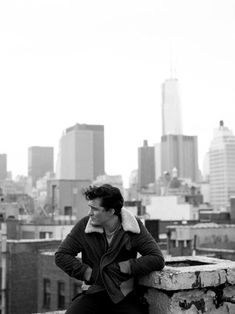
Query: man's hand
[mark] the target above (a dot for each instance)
(87, 274)
(125, 267)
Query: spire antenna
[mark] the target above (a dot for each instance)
(172, 65)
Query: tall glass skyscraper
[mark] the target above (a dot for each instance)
(171, 110)
(222, 167)
(177, 150)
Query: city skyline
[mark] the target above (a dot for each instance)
(105, 64)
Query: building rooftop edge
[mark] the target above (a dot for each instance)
(32, 240)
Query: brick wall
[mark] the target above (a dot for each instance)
(48, 270)
(22, 274)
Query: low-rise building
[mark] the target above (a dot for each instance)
(17, 229)
(171, 207)
(65, 198)
(55, 288)
(188, 240)
(22, 276)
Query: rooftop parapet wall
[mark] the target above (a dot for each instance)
(54, 312)
(182, 273)
(191, 285)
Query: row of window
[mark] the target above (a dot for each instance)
(60, 293)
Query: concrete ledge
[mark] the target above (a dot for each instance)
(55, 312)
(183, 273)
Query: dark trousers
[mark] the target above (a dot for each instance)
(100, 302)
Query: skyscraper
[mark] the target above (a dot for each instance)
(158, 168)
(180, 152)
(222, 167)
(3, 166)
(171, 109)
(81, 153)
(146, 165)
(177, 150)
(40, 161)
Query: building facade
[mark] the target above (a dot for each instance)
(81, 153)
(169, 208)
(222, 167)
(40, 161)
(176, 150)
(65, 198)
(22, 274)
(217, 240)
(171, 109)
(114, 180)
(3, 166)
(55, 288)
(57, 229)
(180, 152)
(146, 165)
(158, 167)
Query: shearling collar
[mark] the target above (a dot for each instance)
(129, 223)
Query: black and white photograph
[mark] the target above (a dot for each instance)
(117, 157)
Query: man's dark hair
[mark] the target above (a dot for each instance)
(110, 196)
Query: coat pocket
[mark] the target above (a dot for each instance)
(113, 271)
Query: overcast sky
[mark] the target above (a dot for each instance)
(103, 62)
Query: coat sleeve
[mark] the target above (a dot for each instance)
(65, 256)
(151, 258)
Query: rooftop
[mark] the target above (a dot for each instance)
(190, 272)
(33, 240)
(203, 225)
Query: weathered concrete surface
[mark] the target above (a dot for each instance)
(191, 285)
(185, 302)
(229, 292)
(213, 272)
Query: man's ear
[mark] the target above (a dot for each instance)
(112, 211)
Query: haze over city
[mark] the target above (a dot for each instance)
(67, 62)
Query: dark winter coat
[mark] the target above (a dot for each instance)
(107, 261)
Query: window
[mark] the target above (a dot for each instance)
(45, 235)
(61, 294)
(68, 211)
(46, 293)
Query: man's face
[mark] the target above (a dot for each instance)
(99, 216)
